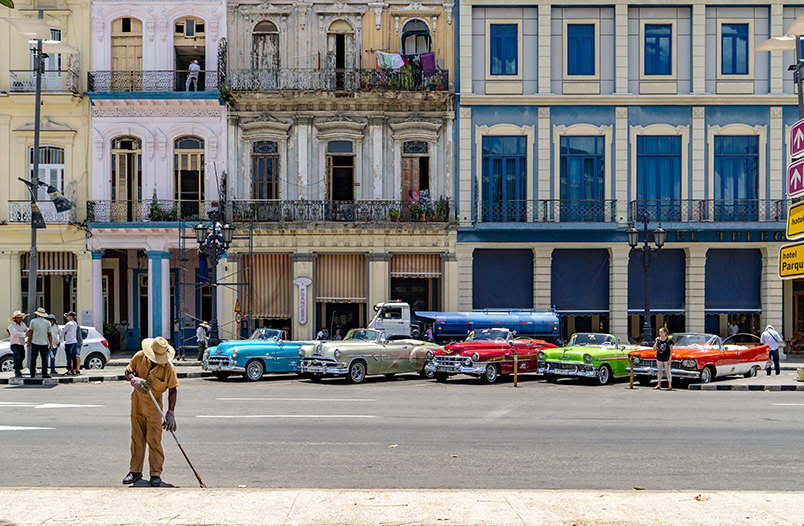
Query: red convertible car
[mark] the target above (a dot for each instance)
(703, 357)
(487, 354)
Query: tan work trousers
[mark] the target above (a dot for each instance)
(146, 429)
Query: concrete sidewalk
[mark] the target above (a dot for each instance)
(130, 506)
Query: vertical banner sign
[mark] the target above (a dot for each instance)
(302, 284)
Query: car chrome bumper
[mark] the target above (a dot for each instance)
(223, 367)
(653, 371)
(582, 370)
(476, 369)
(323, 367)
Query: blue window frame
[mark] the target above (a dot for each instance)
(659, 177)
(734, 49)
(581, 49)
(736, 177)
(658, 49)
(503, 49)
(504, 178)
(582, 178)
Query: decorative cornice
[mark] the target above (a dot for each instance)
(415, 129)
(629, 100)
(128, 111)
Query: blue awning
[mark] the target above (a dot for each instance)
(668, 283)
(580, 281)
(502, 279)
(733, 281)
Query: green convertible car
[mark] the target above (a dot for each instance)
(588, 355)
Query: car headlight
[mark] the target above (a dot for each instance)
(337, 353)
(475, 357)
(540, 355)
(429, 355)
(301, 352)
(467, 361)
(689, 363)
(587, 358)
(637, 360)
(234, 354)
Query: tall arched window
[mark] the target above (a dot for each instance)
(340, 53)
(265, 170)
(188, 180)
(265, 46)
(51, 168)
(126, 179)
(415, 38)
(126, 54)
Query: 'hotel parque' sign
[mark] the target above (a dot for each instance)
(791, 261)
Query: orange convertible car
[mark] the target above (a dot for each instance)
(703, 357)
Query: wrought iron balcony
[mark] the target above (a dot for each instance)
(370, 211)
(105, 81)
(549, 210)
(20, 212)
(349, 80)
(711, 210)
(150, 210)
(53, 81)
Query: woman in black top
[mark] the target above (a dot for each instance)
(664, 354)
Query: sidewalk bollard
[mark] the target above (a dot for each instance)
(631, 363)
(516, 368)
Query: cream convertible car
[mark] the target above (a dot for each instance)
(364, 352)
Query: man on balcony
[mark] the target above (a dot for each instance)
(192, 76)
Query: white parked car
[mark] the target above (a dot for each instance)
(94, 352)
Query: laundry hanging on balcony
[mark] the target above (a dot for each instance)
(390, 60)
(52, 263)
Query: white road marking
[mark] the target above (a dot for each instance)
(21, 428)
(297, 399)
(285, 416)
(60, 406)
(16, 404)
(788, 404)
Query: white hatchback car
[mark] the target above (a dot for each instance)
(94, 352)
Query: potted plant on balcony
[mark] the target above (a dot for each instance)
(393, 215)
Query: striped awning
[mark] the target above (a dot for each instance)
(341, 278)
(52, 263)
(271, 286)
(416, 266)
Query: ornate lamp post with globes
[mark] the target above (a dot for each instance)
(646, 253)
(214, 241)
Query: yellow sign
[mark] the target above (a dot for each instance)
(791, 261)
(795, 222)
(237, 306)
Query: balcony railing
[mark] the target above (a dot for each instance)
(53, 81)
(20, 212)
(711, 210)
(350, 80)
(549, 210)
(105, 81)
(150, 210)
(371, 211)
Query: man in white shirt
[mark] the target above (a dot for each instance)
(55, 342)
(40, 340)
(192, 76)
(771, 338)
(202, 337)
(733, 328)
(70, 335)
(17, 331)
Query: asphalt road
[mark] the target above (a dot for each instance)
(408, 433)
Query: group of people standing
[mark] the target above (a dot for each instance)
(42, 341)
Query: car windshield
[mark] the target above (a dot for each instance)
(592, 338)
(687, 339)
(363, 334)
(265, 334)
(488, 335)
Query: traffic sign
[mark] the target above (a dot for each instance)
(795, 178)
(795, 222)
(797, 139)
(791, 261)
(237, 306)
(238, 318)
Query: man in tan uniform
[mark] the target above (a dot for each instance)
(150, 369)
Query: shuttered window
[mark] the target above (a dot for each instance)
(271, 285)
(416, 266)
(341, 278)
(52, 263)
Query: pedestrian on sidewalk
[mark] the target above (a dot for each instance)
(56, 342)
(17, 330)
(70, 335)
(771, 338)
(202, 337)
(733, 328)
(40, 340)
(664, 354)
(150, 370)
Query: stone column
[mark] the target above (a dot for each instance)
(379, 281)
(97, 291)
(777, 156)
(698, 156)
(776, 67)
(620, 174)
(696, 288)
(542, 277)
(621, 47)
(376, 129)
(699, 48)
(303, 272)
(463, 256)
(545, 24)
(11, 288)
(772, 290)
(465, 167)
(465, 46)
(83, 289)
(228, 296)
(449, 280)
(544, 159)
(158, 287)
(618, 290)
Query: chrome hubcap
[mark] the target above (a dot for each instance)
(254, 370)
(357, 372)
(706, 376)
(491, 373)
(604, 375)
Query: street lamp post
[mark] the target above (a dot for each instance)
(791, 41)
(214, 241)
(646, 254)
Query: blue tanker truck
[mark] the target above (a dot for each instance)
(396, 318)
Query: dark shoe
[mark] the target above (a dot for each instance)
(156, 482)
(131, 478)
(45, 376)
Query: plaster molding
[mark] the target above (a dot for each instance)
(378, 8)
(154, 112)
(698, 112)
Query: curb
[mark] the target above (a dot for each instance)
(743, 387)
(86, 379)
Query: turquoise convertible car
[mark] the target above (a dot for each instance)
(266, 351)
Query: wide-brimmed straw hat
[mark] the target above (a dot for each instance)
(158, 350)
(204, 324)
(42, 313)
(17, 314)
